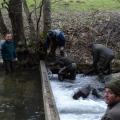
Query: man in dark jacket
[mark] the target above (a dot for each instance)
(102, 57)
(55, 38)
(67, 68)
(112, 97)
(8, 52)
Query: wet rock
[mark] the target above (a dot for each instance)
(83, 92)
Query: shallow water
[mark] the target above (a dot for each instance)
(82, 109)
(20, 96)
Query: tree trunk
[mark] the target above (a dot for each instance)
(38, 20)
(3, 28)
(30, 22)
(46, 16)
(15, 14)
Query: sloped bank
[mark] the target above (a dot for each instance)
(82, 28)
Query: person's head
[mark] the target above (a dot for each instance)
(112, 92)
(51, 34)
(8, 36)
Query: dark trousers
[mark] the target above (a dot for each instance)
(8, 64)
(104, 65)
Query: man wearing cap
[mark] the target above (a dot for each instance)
(112, 98)
(102, 57)
(55, 38)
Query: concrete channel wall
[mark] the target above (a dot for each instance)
(51, 112)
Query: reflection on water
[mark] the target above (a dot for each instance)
(20, 97)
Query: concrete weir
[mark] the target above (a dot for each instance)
(50, 108)
(51, 112)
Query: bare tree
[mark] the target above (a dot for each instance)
(30, 21)
(38, 20)
(38, 13)
(46, 16)
(3, 28)
(15, 15)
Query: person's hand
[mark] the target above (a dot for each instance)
(48, 51)
(61, 48)
(16, 59)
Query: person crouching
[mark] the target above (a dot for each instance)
(67, 68)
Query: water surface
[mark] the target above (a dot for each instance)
(20, 96)
(81, 109)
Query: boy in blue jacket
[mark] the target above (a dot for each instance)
(8, 52)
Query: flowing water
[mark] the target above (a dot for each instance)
(21, 96)
(91, 108)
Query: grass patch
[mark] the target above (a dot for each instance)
(31, 3)
(79, 5)
(86, 5)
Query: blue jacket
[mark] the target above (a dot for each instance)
(58, 37)
(8, 50)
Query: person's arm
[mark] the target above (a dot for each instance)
(61, 39)
(15, 55)
(62, 43)
(61, 70)
(56, 62)
(95, 58)
(3, 50)
(47, 43)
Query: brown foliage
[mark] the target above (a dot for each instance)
(84, 28)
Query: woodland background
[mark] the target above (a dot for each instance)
(83, 22)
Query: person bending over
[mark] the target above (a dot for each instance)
(55, 39)
(102, 57)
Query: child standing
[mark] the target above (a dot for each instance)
(8, 52)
